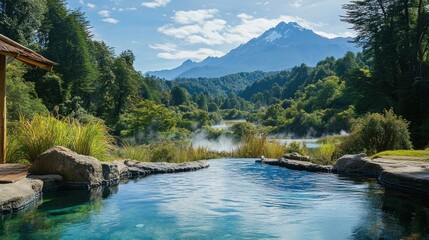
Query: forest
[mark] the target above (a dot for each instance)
(94, 83)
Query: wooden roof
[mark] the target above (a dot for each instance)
(15, 50)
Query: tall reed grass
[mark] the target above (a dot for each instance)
(254, 147)
(33, 137)
(325, 153)
(166, 152)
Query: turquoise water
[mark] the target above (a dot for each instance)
(233, 199)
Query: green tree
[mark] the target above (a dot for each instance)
(395, 35)
(178, 96)
(66, 39)
(22, 99)
(20, 20)
(145, 118)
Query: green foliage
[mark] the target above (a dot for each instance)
(67, 37)
(219, 86)
(178, 96)
(320, 108)
(376, 132)
(243, 130)
(146, 117)
(255, 147)
(400, 68)
(33, 137)
(20, 20)
(22, 99)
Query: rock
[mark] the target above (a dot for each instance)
(50, 182)
(408, 176)
(111, 174)
(350, 163)
(296, 156)
(122, 168)
(16, 196)
(146, 168)
(298, 165)
(78, 171)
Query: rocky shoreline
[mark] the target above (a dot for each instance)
(297, 165)
(62, 169)
(406, 176)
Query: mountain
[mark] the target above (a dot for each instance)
(282, 47)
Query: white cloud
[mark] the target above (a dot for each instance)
(82, 2)
(132, 9)
(110, 20)
(296, 4)
(202, 27)
(170, 51)
(156, 3)
(167, 47)
(197, 16)
(104, 13)
(332, 35)
(91, 5)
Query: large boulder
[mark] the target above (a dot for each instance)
(349, 163)
(77, 170)
(357, 164)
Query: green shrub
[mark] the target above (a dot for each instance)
(242, 130)
(376, 132)
(33, 137)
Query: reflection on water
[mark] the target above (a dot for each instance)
(233, 199)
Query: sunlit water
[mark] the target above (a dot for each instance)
(233, 199)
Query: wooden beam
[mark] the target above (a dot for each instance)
(3, 135)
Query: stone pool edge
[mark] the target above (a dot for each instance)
(17, 196)
(411, 177)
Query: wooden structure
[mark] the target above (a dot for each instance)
(11, 49)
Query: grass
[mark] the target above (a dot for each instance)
(166, 152)
(33, 137)
(255, 147)
(411, 154)
(324, 155)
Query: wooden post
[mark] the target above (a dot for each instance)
(3, 139)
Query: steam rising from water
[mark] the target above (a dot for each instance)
(221, 144)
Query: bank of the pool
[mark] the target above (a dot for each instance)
(406, 176)
(62, 169)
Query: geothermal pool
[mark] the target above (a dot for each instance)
(233, 199)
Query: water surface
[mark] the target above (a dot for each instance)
(233, 199)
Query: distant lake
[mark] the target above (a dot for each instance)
(233, 199)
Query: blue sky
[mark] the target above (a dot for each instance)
(164, 33)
